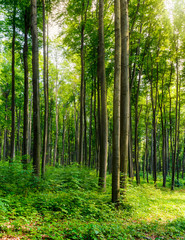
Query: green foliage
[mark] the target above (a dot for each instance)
(69, 205)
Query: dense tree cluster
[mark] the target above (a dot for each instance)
(108, 89)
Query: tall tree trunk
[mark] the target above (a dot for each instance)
(76, 130)
(5, 130)
(163, 146)
(162, 108)
(12, 154)
(85, 127)
(154, 123)
(183, 160)
(30, 130)
(90, 129)
(178, 133)
(170, 117)
(136, 131)
(98, 126)
(131, 170)
(1, 143)
(36, 101)
(116, 107)
(80, 158)
(56, 122)
(18, 131)
(124, 92)
(69, 144)
(176, 126)
(26, 91)
(146, 147)
(63, 141)
(104, 119)
(45, 80)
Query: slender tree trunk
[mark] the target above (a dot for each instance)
(56, 122)
(45, 139)
(76, 130)
(176, 127)
(85, 127)
(178, 133)
(163, 146)
(90, 128)
(47, 82)
(170, 117)
(26, 91)
(69, 144)
(104, 119)
(63, 141)
(80, 158)
(18, 149)
(154, 123)
(5, 144)
(116, 107)
(12, 154)
(131, 170)
(1, 145)
(154, 148)
(163, 135)
(167, 151)
(98, 127)
(36, 101)
(136, 131)
(146, 148)
(30, 130)
(124, 92)
(145, 163)
(183, 161)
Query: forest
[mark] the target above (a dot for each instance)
(92, 125)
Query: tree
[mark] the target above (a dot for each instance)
(124, 125)
(26, 87)
(45, 80)
(103, 117)
(12, 154)
(36, 102)
(116, 107)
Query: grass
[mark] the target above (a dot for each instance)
(69, 205)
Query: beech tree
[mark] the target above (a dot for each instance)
(124, 92)
(103, 116)
(36, 102)
(116, 107)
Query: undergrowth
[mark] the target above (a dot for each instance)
(68, 204)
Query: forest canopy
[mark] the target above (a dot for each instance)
(97, 84)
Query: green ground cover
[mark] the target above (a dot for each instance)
(69, 205)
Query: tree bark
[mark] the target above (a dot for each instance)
(45, 80)
(80, 158)
(90, 129)
(26, 91)
(30, 131)
(63, 141)
(36, 101)
(146, 147)
(176, 126)
(116, 107)
(124, 127)
(56, 121)
(12, 154)
(85, 127)
(104, 119)
(136, 131)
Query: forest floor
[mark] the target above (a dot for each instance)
(69, 205)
